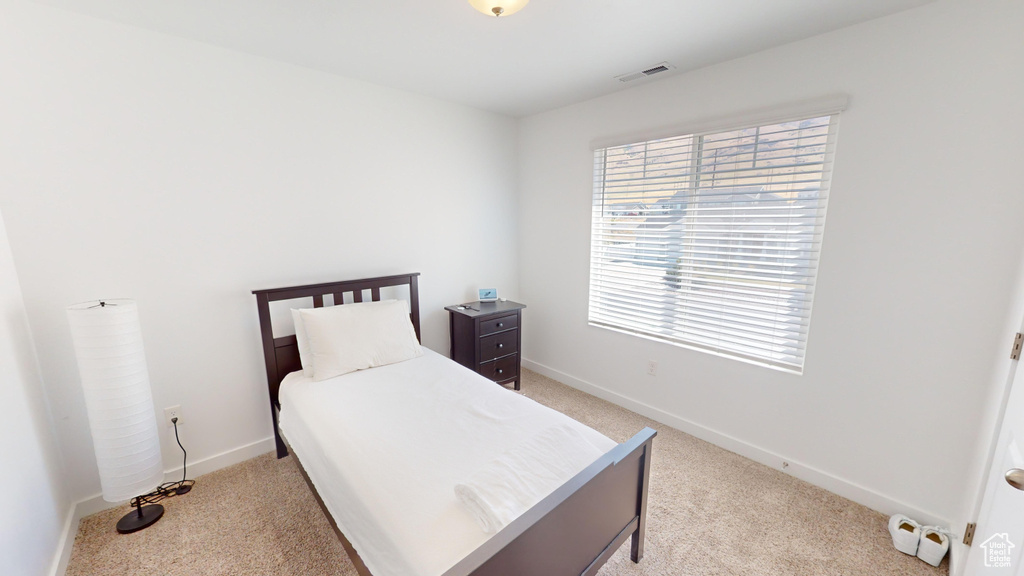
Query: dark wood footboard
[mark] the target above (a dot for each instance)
(580, 525)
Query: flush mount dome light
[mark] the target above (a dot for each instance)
(498, 7)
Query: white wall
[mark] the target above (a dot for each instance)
(183, 175)
(33, 501)
(921, 248)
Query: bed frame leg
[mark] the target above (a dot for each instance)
(282, 449)
(636, 548)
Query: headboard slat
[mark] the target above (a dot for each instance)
(276, 373)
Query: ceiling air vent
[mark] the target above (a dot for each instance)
(656, 69)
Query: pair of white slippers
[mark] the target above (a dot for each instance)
(929, 543)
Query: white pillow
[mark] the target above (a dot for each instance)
(352, 337)
(305, 356)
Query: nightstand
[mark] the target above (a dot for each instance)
(486, 338)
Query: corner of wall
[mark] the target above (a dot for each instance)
(39, 470)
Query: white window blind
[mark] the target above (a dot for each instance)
(712, 240)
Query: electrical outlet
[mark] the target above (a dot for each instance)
(172, 412)
(652, 368)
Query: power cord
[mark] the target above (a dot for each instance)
(168, 489)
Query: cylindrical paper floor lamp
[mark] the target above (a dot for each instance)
(112, 364)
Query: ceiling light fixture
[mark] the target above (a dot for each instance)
(498, 7)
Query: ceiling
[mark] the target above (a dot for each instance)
(550, 54)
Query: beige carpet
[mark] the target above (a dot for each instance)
(711, 512)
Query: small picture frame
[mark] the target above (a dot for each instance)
(488, 294)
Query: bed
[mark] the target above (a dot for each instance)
(573, 530)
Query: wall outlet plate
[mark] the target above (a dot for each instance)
(172, 412)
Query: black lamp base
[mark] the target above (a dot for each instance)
(139, 518)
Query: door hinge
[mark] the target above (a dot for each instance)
(969, 533)
(1018, 341)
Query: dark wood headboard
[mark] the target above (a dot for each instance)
(282, 354)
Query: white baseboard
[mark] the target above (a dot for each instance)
(849, 490)
(96, 503)
(65, 543)
(957, 557)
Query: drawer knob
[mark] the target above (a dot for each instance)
(501, 345)
(501, 324)
(500, 371)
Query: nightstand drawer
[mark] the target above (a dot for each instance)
(501, 369)
(498, 345)
(499, 324)
(485, 338)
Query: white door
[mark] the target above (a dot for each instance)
(999, 538)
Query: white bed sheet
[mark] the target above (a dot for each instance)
(385, 447)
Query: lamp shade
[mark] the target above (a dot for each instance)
(112, 365)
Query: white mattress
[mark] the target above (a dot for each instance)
(385, 447)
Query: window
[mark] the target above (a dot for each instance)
(711, 240)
